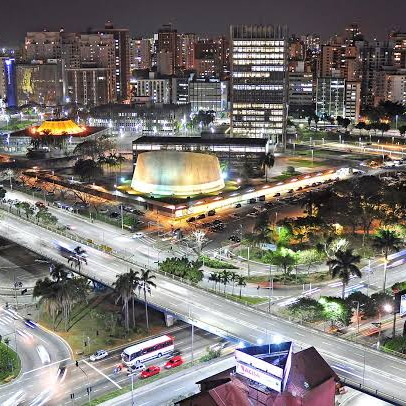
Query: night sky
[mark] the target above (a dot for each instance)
(377, 17)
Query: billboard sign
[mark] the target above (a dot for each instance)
(261, 377)
(402, 305)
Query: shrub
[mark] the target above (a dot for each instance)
(216, 263)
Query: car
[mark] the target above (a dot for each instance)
(128, 209)
(261, 198)
(174, 362)
(219, 346)
(174, 353)
(276, 194)
(50, 193)
(150, 371)
(253, 214)
(39, 204)
(238, 205)
(43, 354)
(135, 236)
(300, 188)
(211, 213)
(114, 215)
(215, 222)
(235, 216)
(290, 191)
(103, 210)
(29, 323)
(252, 201)
(98, 355)
(191, 220)
(136, 368)
(234, 238)
(61, 373)
(201, 217)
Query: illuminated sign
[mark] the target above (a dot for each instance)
(263, 378)
(402, 305)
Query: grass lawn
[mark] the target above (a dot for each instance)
(10, 364)
(284, 176)
(236, 297)
(96, 323)
(216, 263)
(306, 163)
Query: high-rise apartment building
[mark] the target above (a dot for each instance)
(301, 90)
(168, 44)
(186, 58)
(399, 52)
(121, 59)
(259, 81)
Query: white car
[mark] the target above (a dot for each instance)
(136, 236)
(135, 369)
(15, 399)
(43, 354)
(98, 355)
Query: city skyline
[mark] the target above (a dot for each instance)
(214, 18)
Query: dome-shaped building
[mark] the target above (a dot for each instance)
(177, 173)
(59, 127)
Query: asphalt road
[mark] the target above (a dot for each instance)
(222, 317)
(35, 375)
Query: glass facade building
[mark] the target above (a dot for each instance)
(259, 81)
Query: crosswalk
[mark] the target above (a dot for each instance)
(8, 316)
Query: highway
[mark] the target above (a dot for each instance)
(223, 317)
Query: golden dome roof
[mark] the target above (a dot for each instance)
(59, 127)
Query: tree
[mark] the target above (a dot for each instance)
(402, 129)
(283, 258)
(27, 208)
(93, 148)
(225, 278)
(383, 127)
(387, 241)
(343, 265)
(366, 304)
(87, 169)
(215, 278)
(199, 238)
(44, 215)
(145, 284)
(336, 310)
(306, 309)
(241, 282)
(268, 161)
(183, 268)
(360, 126)
(125, 290)
(233, 279)
(391, 109)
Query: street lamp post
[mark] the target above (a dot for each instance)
(356, 301)
(270, 287)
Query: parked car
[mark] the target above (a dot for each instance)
(103, 210)
(238, 205)
(114, 215)
(191, 220)
(252, 201)
(39, 204)
(261, 198)
(138, 235)
(150, 371)
(277, 194)
(290, 191)
(174, 362)
(211, 213)
(201, 217)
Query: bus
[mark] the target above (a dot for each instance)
(76, 253)
(147, 350)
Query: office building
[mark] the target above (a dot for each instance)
(40, 83)
(152, 89)
(186, 58)
(90, 86)
(121, 38)
(259, 81)
(395, 87)
(337, 97)
(165, 63)
(168, 45)
(208, 94)
(180, 90)
(301, 91)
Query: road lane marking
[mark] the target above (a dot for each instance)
(46, 366)
(103, 374)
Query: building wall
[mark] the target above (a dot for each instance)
(330, 97)
(91, 86)
(395, 87)
(157, 90)
(208, 95)
(40, 83)
(259, 81)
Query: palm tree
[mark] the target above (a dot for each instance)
(388, 241)
(268, 161)
(241, 283)
(213, 277)
(145, 284)
(225, 278)
(57, 272)
(233, 279)
(134, 281)
(124, 289)
(343, 265)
